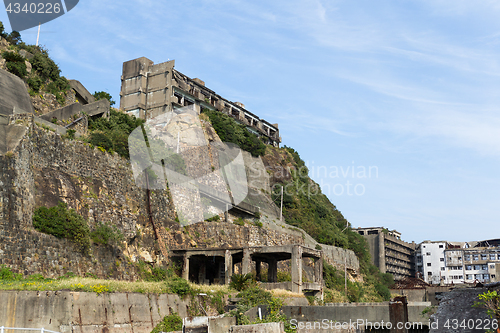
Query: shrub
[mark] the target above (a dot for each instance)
(70, 134)
(112, 133)
(241, 281)
(45, 67)
(106, 234)
(229, 130)
(383, 291)
(490, 300)
(62, 222)
(35, 83)
(99, 139)
(104, 95)
(214, 218)
(179, 286)
(254, 296)
(171, 323)
(239, 221)
(15, 63)
(283, 276)
(7, 274)
(14, 38)
(2, 30)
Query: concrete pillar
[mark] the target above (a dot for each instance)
(381, 252)
(272, 271)
(202, 273)
(297, 269)
(398, 313)
(247, 261)
(185, 268)
(228, 261)
(258, 266)
(318, 270)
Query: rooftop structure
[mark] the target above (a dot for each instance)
(148, 90)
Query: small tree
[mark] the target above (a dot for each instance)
(491, 301)
(14, 37)
(104, 95)
(15, 63)
(2, 30)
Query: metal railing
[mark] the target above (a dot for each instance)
(41, 330)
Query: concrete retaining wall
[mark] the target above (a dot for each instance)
(210, 324)
(69, 311)
(345, 312)
(14, 96)
(260, 328)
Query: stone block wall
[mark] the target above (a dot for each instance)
(45, 169)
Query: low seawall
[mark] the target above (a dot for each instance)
(70, 311)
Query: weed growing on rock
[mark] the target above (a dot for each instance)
(171, 323)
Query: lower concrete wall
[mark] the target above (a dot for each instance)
(421, 295)
(208, 324)
(352, 312)
(260, 328)
(68, 311)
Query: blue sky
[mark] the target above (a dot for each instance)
(409, 88)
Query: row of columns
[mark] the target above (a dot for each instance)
(272, 273)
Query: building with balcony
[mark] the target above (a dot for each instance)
(389, 253)
(445, 263)
(148, 90)
(472, 265)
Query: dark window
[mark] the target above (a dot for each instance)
(428, 264)
(440, 246)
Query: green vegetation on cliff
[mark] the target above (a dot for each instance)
(306, 207)
(66, 223)
(229, 130)
(45, 74)
(112, 133)
(62, 222)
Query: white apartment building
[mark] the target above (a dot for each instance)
(444, 262)
(430, 262)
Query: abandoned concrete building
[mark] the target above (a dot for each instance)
(445, 263)
(148, 90)
(389, 253)
(217, 265)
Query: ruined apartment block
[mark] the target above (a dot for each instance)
(389, 253)
(472, 265)
(149, 90)
(448, 263)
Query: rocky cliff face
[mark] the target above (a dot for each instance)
(46, 168)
